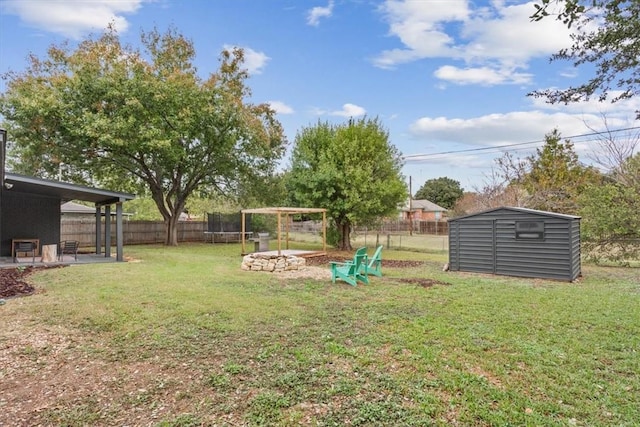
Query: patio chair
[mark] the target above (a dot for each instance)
(375, 263)
(350, 271)
(25, 247)
(68, 247)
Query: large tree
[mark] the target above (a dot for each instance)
(442, 191)
(605, 37)
(555, 177)
(551, 179)
(352, 170)
(140, 119)
(610, 220)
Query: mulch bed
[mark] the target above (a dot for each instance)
(13, 281)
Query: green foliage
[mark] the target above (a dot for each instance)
(553, 177)
(442, 191)
(352, 170)
(607, 39)
(141, 121)
(268, 191)
(610, 221)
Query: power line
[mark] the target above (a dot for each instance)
(500, 147)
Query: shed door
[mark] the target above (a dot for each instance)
(477, 246)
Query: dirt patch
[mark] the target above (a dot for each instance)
(317, 267)
(390, 263)
(425, 283)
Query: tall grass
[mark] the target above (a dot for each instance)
(229, 347)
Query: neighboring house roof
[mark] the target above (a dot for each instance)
(78, 209)
(63, 190)
(423, 205)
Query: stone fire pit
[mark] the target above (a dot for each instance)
(272, 263)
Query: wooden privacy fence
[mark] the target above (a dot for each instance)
(401, 226)
(147, 232)
(134, 232)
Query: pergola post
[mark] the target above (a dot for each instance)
(279, 229)
(242, 234)
(324, 231)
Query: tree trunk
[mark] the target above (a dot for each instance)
(344, 238)
(171, 226)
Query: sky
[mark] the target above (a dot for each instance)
(448, 79)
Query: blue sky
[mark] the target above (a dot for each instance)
(445, 77)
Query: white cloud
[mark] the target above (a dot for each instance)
(525, 129)
(482, 75)
(280, 107)
(420, 28)
(518, 130)
(499, 129)
(495, 42)
(314, 15)
(73, 18)
(349, 110)
(254, 61)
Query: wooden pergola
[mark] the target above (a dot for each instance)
(284, 212)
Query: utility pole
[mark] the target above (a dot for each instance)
(410, 209)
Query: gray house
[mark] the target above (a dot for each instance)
(516, 242)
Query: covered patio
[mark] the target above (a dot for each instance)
(30, 211)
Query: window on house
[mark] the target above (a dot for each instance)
(530, 230)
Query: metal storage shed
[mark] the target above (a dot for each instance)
(516, 242)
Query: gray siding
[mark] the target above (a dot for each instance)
(487, 243)
(31, 217)
(476, 247)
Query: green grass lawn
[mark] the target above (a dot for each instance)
(183, 337)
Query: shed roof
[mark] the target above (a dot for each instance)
(64, 191)
(517, 209)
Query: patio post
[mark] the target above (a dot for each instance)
(119, 233)
(98, 230)
(107, 231)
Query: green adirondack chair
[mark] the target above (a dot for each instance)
(350, 271)
(375, 263)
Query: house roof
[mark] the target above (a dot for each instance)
(423, 205)
(78, 209)
(62, 190)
